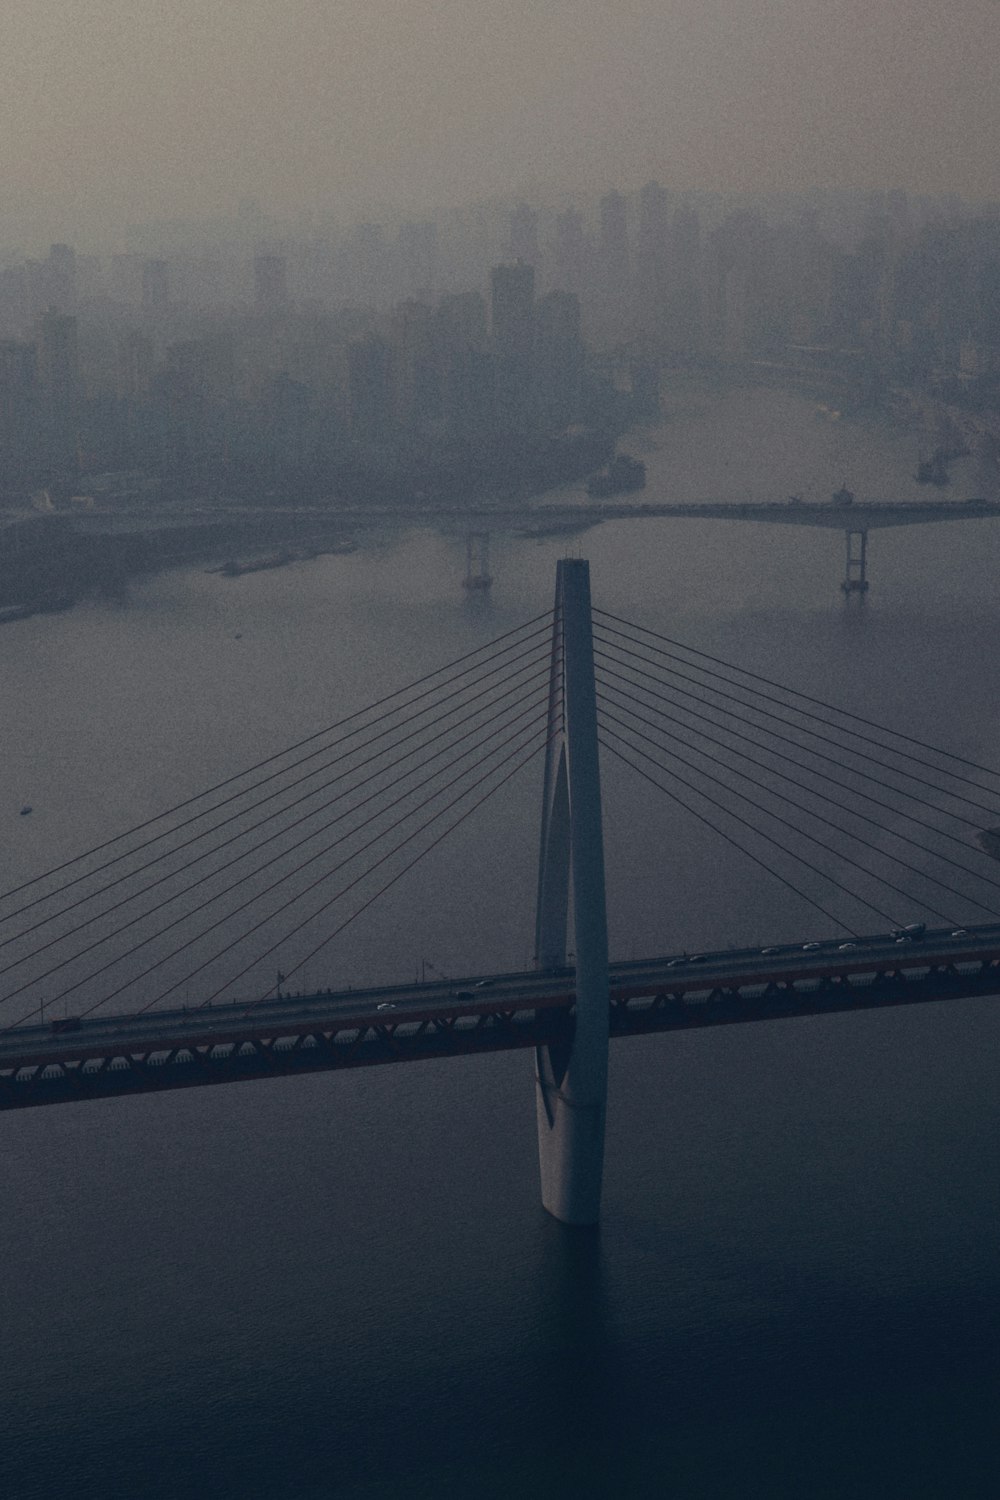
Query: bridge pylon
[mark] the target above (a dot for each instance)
(856, 572)
(571, 1069)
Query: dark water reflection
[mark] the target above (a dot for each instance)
(344, 1286)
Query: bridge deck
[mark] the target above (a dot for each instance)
(862, 515)
(119, 1055)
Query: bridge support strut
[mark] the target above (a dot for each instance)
(856, 571)
(572, 1069)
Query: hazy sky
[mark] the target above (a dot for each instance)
(119, 110)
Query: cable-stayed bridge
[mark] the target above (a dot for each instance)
(233, 893)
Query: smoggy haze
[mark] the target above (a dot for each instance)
(118, 110)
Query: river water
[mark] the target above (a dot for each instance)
(344, 1285)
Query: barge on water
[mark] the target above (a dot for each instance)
(622, 475)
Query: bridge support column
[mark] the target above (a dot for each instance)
(855, 576)
(477, 561)
(572, 1069)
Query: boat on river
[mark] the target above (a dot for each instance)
(622, 475)
(234, 569)
(933, 470)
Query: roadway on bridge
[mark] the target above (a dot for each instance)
(292, 1015)
(860, 515)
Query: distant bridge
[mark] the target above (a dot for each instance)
(855, 519)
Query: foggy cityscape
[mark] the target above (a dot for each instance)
(498, 353)
(499, 538)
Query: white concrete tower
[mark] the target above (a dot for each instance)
(572, 1069)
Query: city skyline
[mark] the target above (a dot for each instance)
(407, 362)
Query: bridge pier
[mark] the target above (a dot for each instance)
(572, 1069)
(855, 574)
(477, 561)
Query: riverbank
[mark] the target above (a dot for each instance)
(718, 444)
(68, 556)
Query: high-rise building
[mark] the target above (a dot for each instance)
(570, 252)
(59, 380)
(611, 321)
(684, 333)
(467, 370)
(652, 263)
(513, 337)
(18, 366)
(614, 244)
(126, 278)
(461, 322)
(513, 305)
(415, 372)
(417, 257)
(523, 244)
(58, 358)
(558, 358)
(363, 265)
(18, 371)
(90, 281)
(60, 271)
(369, 389)
(468, 395)
(15, 303)
(135, 365)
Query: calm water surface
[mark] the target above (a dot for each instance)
(344, 1285)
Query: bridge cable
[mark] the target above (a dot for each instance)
(792, 802)
(784, 821)
(518, 687)
(754, 827)
(819, 703)
(398, 876)
(801, 729)
(358, 880)
(544, 629)
(281, 881)
(612, 639)
(354, 750)
(815, 734)
(605, 673)
(701, 817)
(237, 859)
